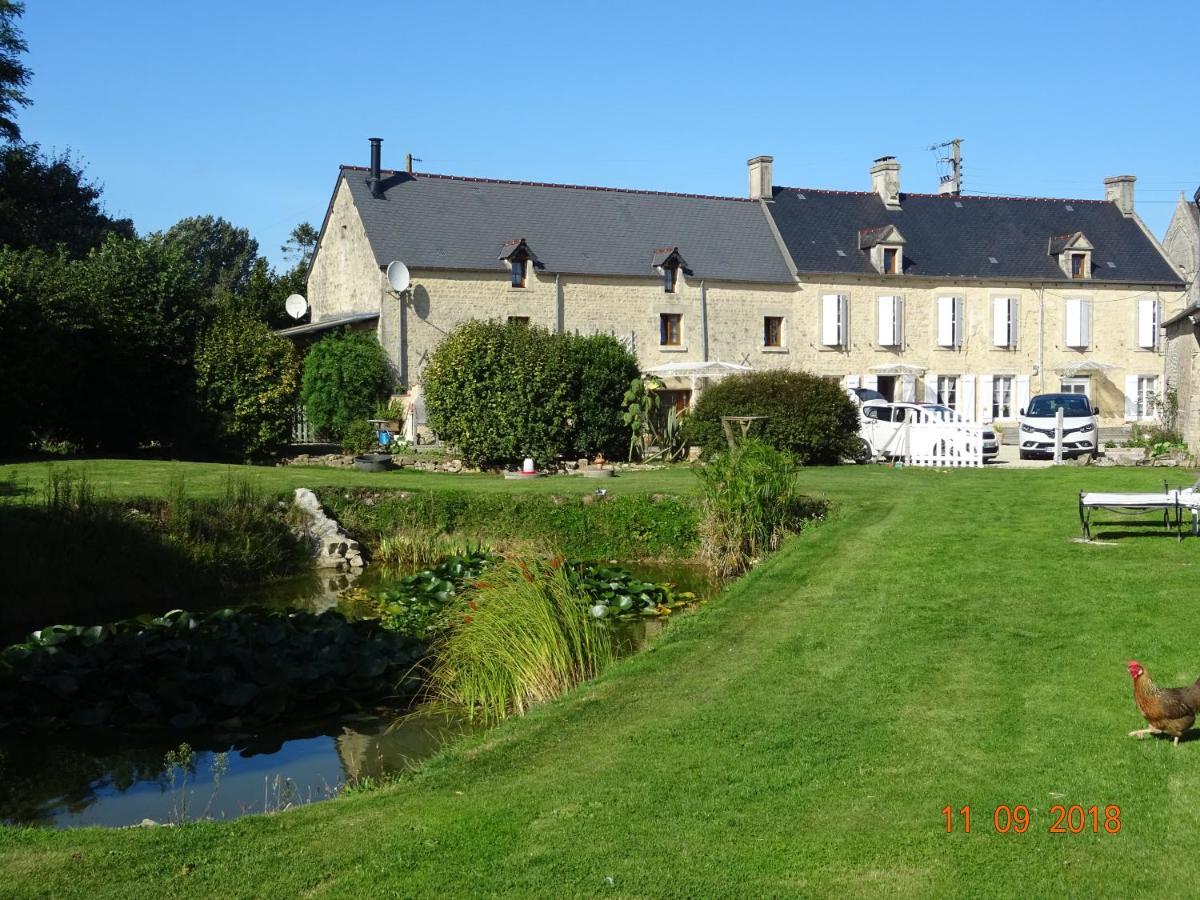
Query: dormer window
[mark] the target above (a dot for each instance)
(885, 245)
(518, 257)
(669, 263)
(1074, 254)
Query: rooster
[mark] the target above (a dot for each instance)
(1168, 710)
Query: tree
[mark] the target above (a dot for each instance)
(345, 375)
(221, 254)
(265, 294)
(14, 75)
(301, 245)
(247, 381)
(47, 202)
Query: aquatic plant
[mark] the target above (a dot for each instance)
(614, 593)
(525, 637)
(233, 670)
(413, 549)
(750, 502)
(424, 603)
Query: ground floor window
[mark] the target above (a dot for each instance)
(1147, 394)
(1002, 391)
(1076, 386)
(772, 331)
(518, 320)
(947, 391)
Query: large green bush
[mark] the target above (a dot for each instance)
(501, 392)
(604, 369)
(345, 375)
(247, 380)
(808, 416)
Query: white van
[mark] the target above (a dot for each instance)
(1081, 426)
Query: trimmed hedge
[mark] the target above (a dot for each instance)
(623, 527)
(808, 416)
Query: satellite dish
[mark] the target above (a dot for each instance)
(296, 306)
(397, 276)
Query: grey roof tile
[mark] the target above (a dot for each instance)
(439, 221)
(965, 237)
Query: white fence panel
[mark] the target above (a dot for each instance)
(931, 441)
(302, 430)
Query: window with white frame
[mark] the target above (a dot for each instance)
(1004, 322)
(1147, 324)
(947, 391)
(1079, 385)
(949, 321)
(891, 322)
(1078, 323)
(1147, 395)
(833, 320)
(1002, 395)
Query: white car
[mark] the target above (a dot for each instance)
(1081, 426)
(879, 424)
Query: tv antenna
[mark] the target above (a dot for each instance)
(950, 183)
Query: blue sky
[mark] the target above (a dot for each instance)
(245, 109)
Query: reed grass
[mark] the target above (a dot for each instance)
(527, 638)
(413, 549)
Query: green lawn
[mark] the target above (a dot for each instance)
(940, 640)
(147, 478)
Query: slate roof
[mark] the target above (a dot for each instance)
(958, 237)
(447, 222)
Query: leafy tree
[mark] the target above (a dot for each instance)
(345, 375)
(47, 202)
(14, 75)
(301, 245)
(221, 254)
(603, 369)
(247, 380)
(265, 293)
(808, 416)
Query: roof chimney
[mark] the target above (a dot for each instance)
(1119, 190)
(760, 177)
(885, 181)
(373, 178)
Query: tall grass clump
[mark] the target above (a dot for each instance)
(414, 549)
(749, 503)
(527, 637)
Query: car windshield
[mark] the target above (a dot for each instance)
(937, 411)
(1046, 406)
(865, 394)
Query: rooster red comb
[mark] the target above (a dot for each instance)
(1135, 668)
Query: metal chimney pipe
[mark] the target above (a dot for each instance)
(373, 179)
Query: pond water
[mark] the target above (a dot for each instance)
(75, 779)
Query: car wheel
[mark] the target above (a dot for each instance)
(863, 452)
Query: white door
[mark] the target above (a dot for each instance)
(1077, 386)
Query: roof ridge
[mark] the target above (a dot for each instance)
(550, 184)
(806, 190)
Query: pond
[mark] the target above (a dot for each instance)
(73, 779)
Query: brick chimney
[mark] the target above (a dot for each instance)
(885, 181)
(760, 177)
(1119, 190)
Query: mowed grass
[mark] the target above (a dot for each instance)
(939, 640)
(120, 479)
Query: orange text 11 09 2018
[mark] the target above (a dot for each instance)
(1019, 819)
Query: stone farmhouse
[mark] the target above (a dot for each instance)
(976, 302)
(1182, 244)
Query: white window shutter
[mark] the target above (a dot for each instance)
(1014, 319)
(844, 318)
(1147, 324)
(945, 321)
(908, 388)
(966, 403)
(886, 318)
(831, 320)
(871, 382)
(985, 398)
(1131, 404)
(1021, 401)
(1085, 323)
(960, 320)
(1000, 322)
(898, 315)
(852, 381)
(1074, 322)
(930, 388)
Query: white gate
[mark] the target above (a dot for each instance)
(927, 439)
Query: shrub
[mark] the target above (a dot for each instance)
(750, 502)
(345, 375)
(604, 370)
(359, 437)
(500, 392)
(808, 416)
(527, 636)
(247, 379)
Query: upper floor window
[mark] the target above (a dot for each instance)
(891, 261)
(1078, 265)
(670, 277)
(518, 257)
(1078, 323)
(668, 262)
(670, 329)
(835, 331)
(885, 245)
(950, 322)
(1004, 322)
(1074, 254)
(1147, 324)
(772, 331)
(520, 271)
